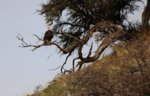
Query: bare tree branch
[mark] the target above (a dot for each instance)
(73, 65)
(19, 37)
(62, 67)
(90, 51)
(114, 32)
(38, 37)
(66, 34)
(55, 68)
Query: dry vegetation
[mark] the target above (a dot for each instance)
(125, 72)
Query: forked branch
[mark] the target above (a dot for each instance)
(113, 30)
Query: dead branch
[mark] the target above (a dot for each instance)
(66, 34)
(73, 65)
(38, 37)
(114, 32)
(62, 67)
(90, 51)
(55, 68)
(19, 37)
(25, 44)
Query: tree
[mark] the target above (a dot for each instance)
(146, 17)
(74, 22)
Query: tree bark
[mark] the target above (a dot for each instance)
(146, 17)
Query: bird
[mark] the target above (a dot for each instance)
(48, 37)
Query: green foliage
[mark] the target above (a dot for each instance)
(73, 16)
(86, 12)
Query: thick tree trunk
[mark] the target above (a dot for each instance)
(146, 17)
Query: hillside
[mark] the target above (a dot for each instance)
(125, 72)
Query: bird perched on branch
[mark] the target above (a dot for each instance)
(48, 36)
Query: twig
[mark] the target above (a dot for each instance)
(21, 39)
(73, 65)
(62, 67)
(55, 68)
(38, 37)
(90, 51)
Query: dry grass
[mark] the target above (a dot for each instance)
(125, 72)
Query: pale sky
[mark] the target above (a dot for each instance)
(21, 70)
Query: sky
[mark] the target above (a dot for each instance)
(22, 70)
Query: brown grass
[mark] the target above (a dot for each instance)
(125, 72)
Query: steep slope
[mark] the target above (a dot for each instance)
(125, 72)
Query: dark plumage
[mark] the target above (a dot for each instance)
(47, 37)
